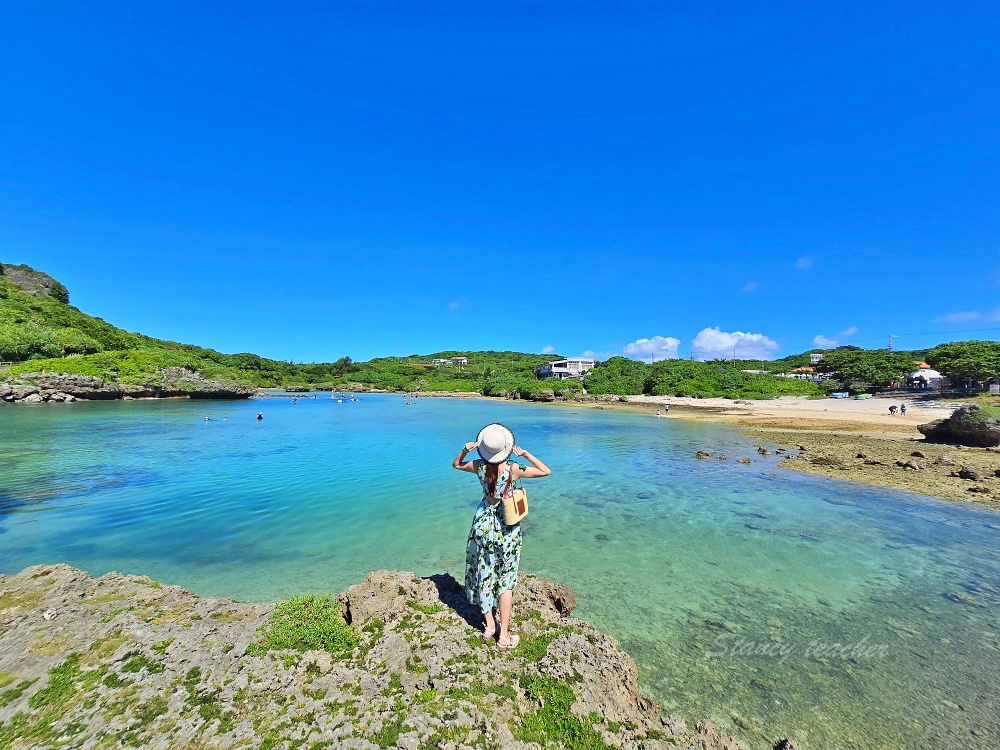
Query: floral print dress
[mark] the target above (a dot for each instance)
(494, 549)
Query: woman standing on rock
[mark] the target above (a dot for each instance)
(494, 548)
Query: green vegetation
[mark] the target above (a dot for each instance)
(679, 377)
(427, 609)
(534, 648)
(65, 680)
(976, 360)
(554, 724)
(982, 415)
(856, 369)
(59, 293)
(305, 623)
(12, 694)
(137, 661)
(41, 331)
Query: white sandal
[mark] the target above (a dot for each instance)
(512, 641)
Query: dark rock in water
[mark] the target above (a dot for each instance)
(702, 454)
(723, 458)
(743, 460)
(644, 495)
(602, 537)
(918, 454)
(966, 473)
(968, 425)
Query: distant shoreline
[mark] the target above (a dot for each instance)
(847, 439)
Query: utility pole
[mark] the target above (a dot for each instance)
(734, 356)
(891, 337)
(623, 350)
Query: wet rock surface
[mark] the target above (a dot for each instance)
(939, 470)
(125, 661)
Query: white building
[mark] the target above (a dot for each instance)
(815, 358)
(925, 377)
(566, 368)
(439, 362)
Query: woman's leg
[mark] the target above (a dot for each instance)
(488, 618)
(506, 604)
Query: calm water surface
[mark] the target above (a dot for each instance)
(735, 588)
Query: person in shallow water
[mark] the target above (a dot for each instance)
(494, 548)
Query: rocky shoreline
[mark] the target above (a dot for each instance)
(899, 461)
(125, 661)
(170, 382)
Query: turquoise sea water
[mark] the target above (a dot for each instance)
(730, 585)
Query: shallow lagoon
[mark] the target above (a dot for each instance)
(775, 603)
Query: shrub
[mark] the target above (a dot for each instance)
(306, 623)
(59, 292)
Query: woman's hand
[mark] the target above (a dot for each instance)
(537, 468)
(460, 463)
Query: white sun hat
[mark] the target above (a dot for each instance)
(495, 443)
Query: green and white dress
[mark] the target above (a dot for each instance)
(494, 549)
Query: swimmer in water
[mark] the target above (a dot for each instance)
(260, 416)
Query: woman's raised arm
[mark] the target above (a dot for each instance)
(460, 463)
(537, 468)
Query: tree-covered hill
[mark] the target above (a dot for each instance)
(41, 331)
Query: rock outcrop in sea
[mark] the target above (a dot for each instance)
(123, 661)
(968, 425)
(167, 382)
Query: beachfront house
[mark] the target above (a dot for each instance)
(459, 361)
(439, 362)
(566, 368)
(927, 377)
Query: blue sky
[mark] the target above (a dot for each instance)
(312, 180)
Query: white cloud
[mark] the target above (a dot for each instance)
(548, 349)
(823, 342)
(958, 317)
(712, 342)
(806, 261)
(849, 331)
(660, 347)
(460, 302)
(750, 286)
